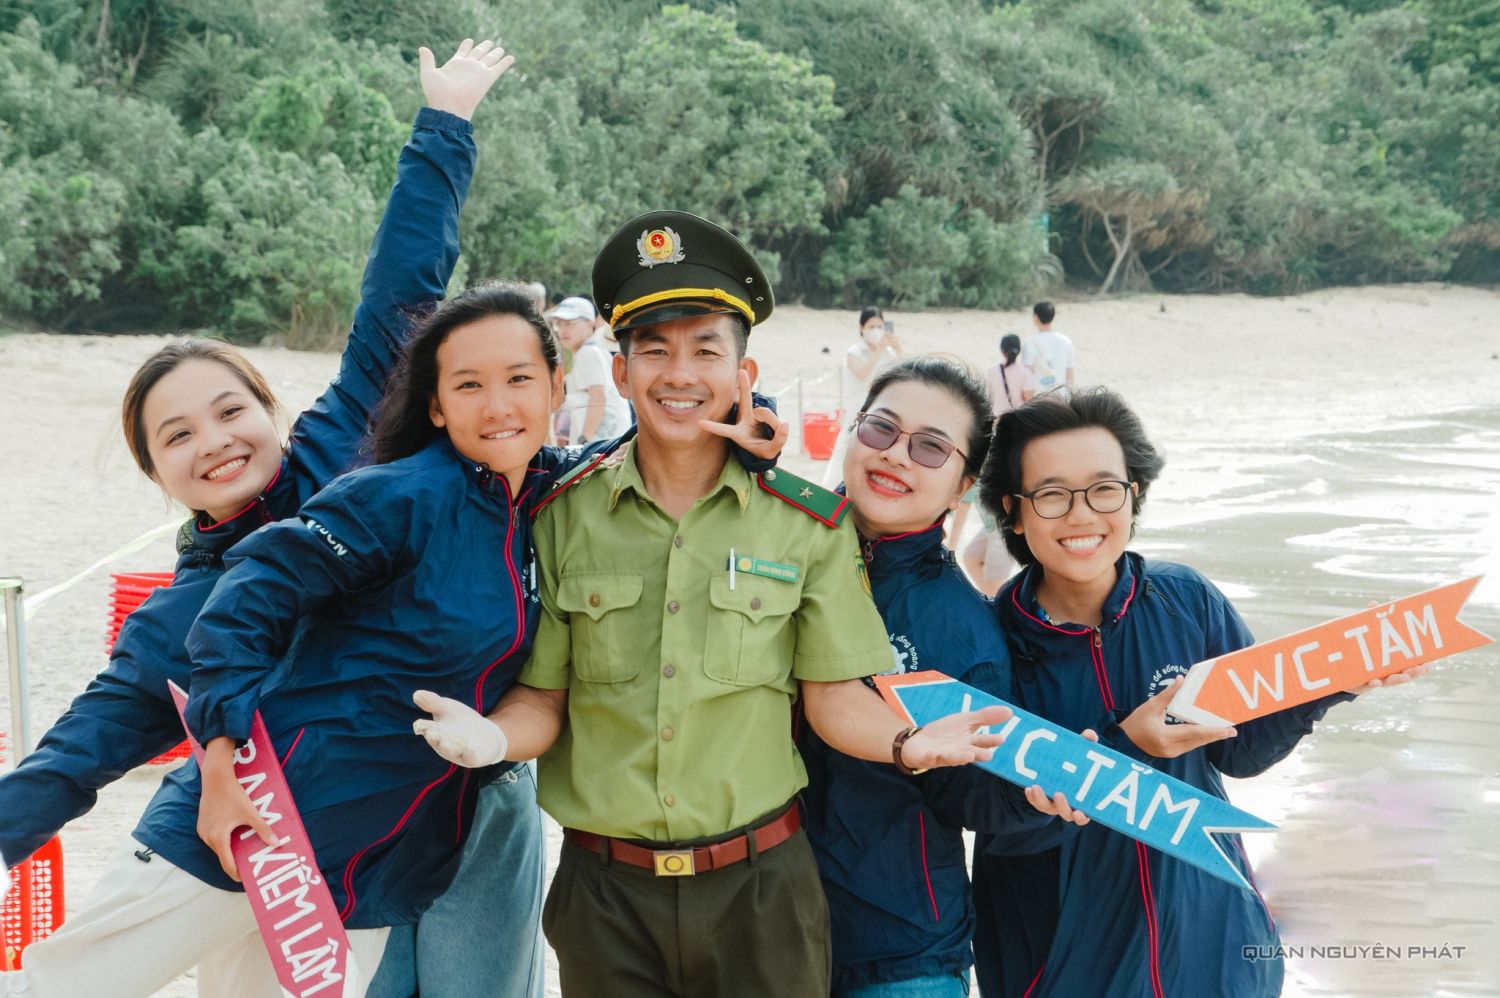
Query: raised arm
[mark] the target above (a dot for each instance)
(411, 259)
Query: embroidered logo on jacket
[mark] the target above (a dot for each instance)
(1161, 679)
(904, 654)
(333, 542)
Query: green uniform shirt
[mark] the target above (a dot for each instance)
(680, 683)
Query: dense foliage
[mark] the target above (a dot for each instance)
(189, 163)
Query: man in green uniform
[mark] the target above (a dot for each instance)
(688, 605)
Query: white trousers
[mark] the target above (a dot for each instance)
(148, 923)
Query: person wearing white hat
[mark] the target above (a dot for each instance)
(595, 409)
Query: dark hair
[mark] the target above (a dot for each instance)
(1044, 311)
(959, 380)
(402, 424)
(741, 335)
(1010, 346)
(867, 313)
(1058, 411)
(164, 362)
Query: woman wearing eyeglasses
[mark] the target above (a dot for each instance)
(889, 843)
(1100, 637)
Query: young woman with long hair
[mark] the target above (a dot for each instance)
(201, 422)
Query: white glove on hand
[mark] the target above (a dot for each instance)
(458, 733)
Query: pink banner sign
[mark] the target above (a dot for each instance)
(293, 909)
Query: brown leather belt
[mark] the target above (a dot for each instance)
(687, 862)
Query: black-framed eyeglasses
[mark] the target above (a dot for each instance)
(927, 449)
(1052, 502)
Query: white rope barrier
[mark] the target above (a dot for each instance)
(33, 602)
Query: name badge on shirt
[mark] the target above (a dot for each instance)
(766, 569)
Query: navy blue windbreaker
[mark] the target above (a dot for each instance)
(125, 718)
(1102, 914)
(417, 574)
(889, 847)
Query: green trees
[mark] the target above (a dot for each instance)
(170, 163)
(683, 110)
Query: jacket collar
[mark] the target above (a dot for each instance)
(899, 554)
(215, 537)
(1018, 599)
(491, 484)
(627, 477)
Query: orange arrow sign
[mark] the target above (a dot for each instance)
(1328, 658)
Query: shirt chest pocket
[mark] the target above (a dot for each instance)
(751, 635)
(601, 613)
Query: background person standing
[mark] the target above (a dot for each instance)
(1048, 354)
(876, 350)
(593, 404)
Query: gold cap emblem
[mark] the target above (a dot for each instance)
(659, 246)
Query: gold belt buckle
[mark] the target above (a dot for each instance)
(673, 862)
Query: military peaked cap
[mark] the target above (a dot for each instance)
(666, 265)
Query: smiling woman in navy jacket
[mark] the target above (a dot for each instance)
(1101, 636)
(411, 572)
(200, 421)
(890, 845)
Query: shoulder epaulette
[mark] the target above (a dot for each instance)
(581, 474)
(826, 507)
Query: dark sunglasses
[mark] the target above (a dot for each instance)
(927, 449)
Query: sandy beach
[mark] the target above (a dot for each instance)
(1323, 450)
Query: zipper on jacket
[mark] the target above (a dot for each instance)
(1143, 868)
(1101, 677)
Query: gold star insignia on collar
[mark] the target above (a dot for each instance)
(806, 493)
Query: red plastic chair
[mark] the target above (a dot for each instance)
(128, 590)
(33, 907)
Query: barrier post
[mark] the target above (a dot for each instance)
(15, 656)
(797, 420)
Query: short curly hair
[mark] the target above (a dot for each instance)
(1057, 412)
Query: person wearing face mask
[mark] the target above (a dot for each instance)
(876, 349)
(889, 845)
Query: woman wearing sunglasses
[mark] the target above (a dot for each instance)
(889, 843)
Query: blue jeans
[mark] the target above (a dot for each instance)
(483, 937)
(947, 986)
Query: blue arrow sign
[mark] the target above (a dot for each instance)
(1112, 789)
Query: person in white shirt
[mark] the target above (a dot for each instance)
(593, 404)
(1048, 354)
(876, 350)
